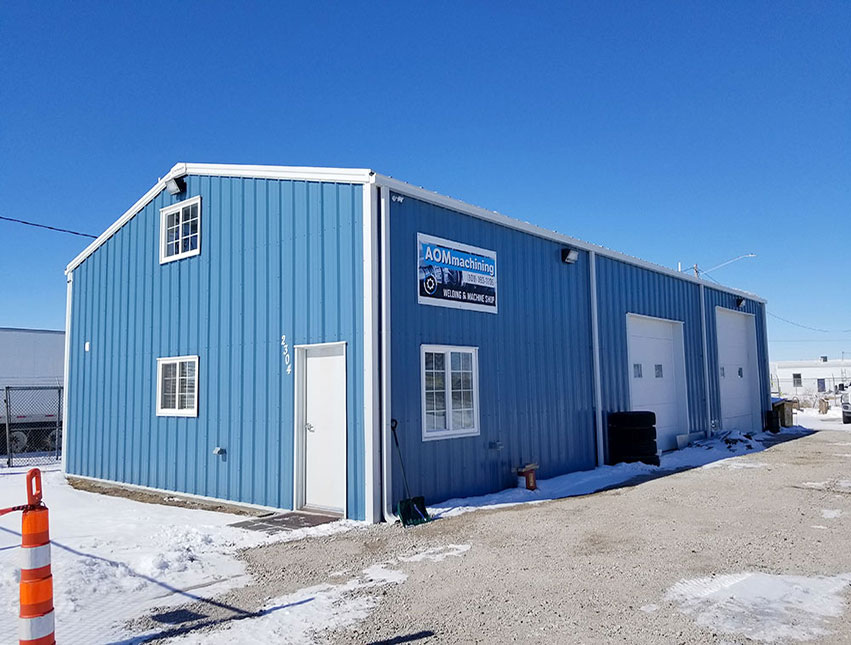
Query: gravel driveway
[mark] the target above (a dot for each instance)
(752, 548)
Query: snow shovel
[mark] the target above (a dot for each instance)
(412, 510)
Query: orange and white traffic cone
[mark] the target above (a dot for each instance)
(36, 617)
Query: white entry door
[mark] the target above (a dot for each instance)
(322, 440)
(657, 375)
(738, 382)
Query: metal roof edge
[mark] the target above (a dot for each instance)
(510, 222)
(364, 175)
(33, 331)
(303, 173)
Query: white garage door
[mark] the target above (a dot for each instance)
(657, 375)
(738, 382)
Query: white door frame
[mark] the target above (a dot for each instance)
(679, 346)
(300, 403)
(756, 402)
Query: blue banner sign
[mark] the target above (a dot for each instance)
(451, 274)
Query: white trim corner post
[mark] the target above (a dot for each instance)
(371, 355)
(387, 513)
(66, 369)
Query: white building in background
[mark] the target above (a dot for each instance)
(810, 377)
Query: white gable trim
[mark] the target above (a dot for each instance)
(366, 176)
(303, 173)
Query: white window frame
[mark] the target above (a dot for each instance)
(449, 433)
(164, 213)
(176, 412)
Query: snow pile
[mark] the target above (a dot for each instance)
(706, 452)
(761, 606)
(115, 559)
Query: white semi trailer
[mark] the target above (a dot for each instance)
(31, 359)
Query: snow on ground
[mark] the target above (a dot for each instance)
(707, 453)
(761, 606)
(115, 559)
(298, 617)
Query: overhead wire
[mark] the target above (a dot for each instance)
(49, 228)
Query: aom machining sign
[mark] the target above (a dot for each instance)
(451, 274)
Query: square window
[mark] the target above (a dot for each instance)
(658, 370)
(180, 230)
(636, 370)
(177, 386)
(449, 390)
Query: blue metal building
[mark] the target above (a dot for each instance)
(247, 333)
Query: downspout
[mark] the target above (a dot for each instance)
(387, 513)
(767, 363)
(595, 340)
(705, 362)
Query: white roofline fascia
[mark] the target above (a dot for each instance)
(366, 176)
(303, 173)
(510, 222)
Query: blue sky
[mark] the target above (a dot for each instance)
(692, 132)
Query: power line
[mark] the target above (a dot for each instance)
(823, 331)
(50, 228)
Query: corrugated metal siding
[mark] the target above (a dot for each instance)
(623, 288)
(277, 257)
(535, 358)
(715, 298)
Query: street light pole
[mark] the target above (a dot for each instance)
(698, 271)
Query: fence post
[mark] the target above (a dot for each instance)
(58, 442)
(8, 432)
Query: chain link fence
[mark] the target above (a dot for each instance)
(31, 425)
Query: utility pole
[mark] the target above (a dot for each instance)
(696, 271)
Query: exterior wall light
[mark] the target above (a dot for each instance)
(175, 185)
(569, 256)
(740, 302)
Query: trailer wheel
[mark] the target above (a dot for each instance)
(18, 440)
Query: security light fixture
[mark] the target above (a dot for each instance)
(740, 302)
(175, 185)
(569, 255)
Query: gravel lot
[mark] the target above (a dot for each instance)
(599, 568)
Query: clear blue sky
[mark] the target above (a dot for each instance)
(686, 131)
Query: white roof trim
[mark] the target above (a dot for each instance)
(366, 176)
(526, 227)
(304, 173)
